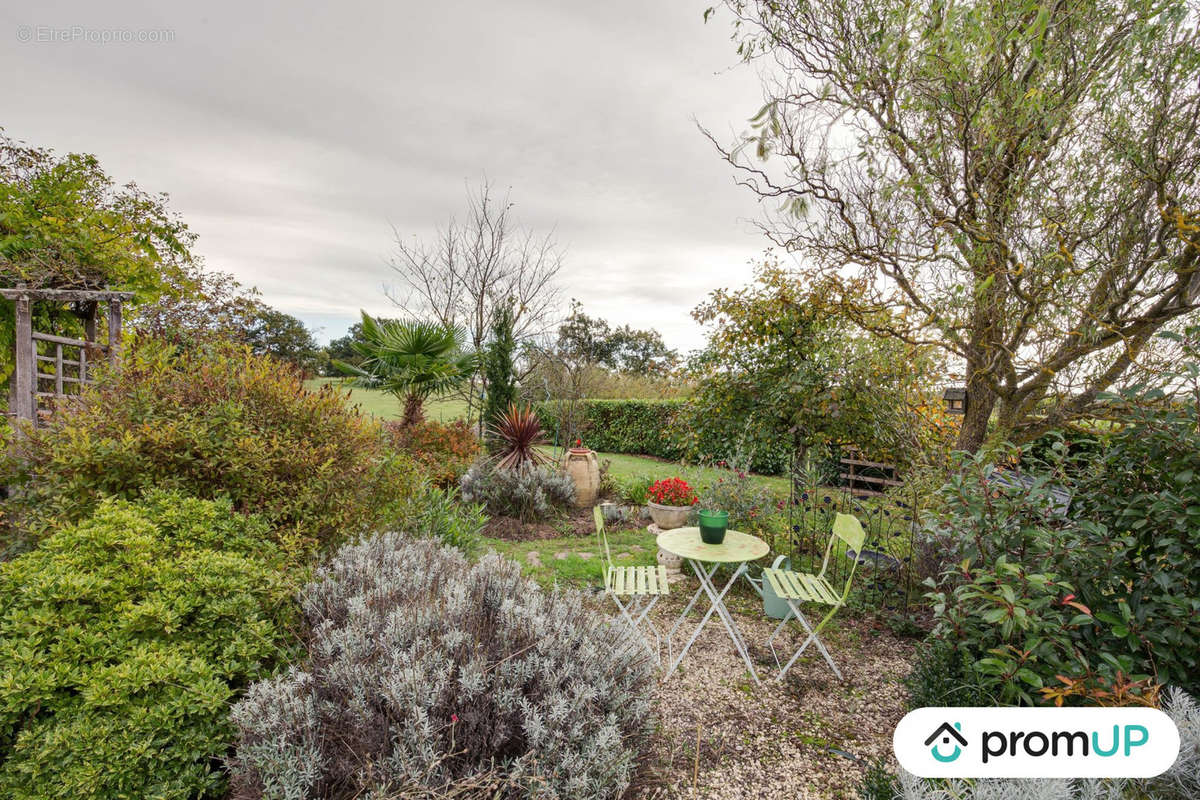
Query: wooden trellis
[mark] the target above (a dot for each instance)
(49, 367)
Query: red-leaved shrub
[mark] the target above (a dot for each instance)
(443, 451)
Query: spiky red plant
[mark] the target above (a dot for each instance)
(518, 433)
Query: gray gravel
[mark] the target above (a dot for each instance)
(776, 741)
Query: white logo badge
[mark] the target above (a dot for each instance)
(1036, 742)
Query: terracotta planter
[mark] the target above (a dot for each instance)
(581, 465)
(669, 517)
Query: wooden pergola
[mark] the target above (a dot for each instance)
(67, 358)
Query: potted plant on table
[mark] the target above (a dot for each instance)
(670, 501)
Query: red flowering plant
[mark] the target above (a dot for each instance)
(672, 492)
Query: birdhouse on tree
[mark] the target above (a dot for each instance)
(956, 400)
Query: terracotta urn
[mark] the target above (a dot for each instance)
(580, 463)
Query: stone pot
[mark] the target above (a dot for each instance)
(669, 517)
(580, 463)
(672, 562)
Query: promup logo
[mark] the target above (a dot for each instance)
(947, 732)
(1036, 742)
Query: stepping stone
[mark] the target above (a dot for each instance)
(534, 558)
(584, 556)
(562, 555)
(624, 555)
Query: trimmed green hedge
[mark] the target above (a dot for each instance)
(667, 429)
(643, 427)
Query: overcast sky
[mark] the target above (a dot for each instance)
(293, 136)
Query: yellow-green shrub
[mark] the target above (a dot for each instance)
(123, 640)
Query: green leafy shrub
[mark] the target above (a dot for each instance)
(1133, 556)
(426, 672)
(635, 489)
(1104, 594)
(528, 493)
(214, 422)
(433, 513)
(1005, 597)
(943, 675)
(123, 639)
(443, 451)
(750, 505)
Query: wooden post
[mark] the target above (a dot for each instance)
(89, 322)
(114, 331)
(24, 369)
(58, 368)
(89, 333)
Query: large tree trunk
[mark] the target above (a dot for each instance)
(980, 402)
(414, 411)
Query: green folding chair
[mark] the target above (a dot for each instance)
(635, 590)
(802, 587)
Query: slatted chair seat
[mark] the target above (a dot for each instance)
(636, 581)
(635, 590)
(804, 587)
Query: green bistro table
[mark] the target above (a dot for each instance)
(738, 548)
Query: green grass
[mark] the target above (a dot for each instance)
(384, 406)
(574, 570)
(626, 466)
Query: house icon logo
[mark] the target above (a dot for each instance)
(945, 733)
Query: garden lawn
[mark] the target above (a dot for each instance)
(575, 561)
(387, 407)
(624, 466)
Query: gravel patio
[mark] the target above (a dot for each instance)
(811, 736)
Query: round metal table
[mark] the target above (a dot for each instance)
(738, 548)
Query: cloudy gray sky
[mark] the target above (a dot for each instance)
(293, 136)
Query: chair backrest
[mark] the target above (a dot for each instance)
(602, 538)
(847, 528)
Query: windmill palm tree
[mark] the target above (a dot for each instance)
(412, 360)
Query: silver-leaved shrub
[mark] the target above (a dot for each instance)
(428, 672)
(530, 493)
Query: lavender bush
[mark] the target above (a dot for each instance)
(432, 676)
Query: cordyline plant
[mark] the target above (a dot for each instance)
(672, 492)
(518, 433)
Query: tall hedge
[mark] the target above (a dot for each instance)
(642, 427)
(668, 429)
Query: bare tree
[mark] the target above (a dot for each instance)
(473, 267)
(1019, 181)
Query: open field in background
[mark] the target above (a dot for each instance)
(384, 406)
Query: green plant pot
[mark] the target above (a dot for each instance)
(713, 525)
